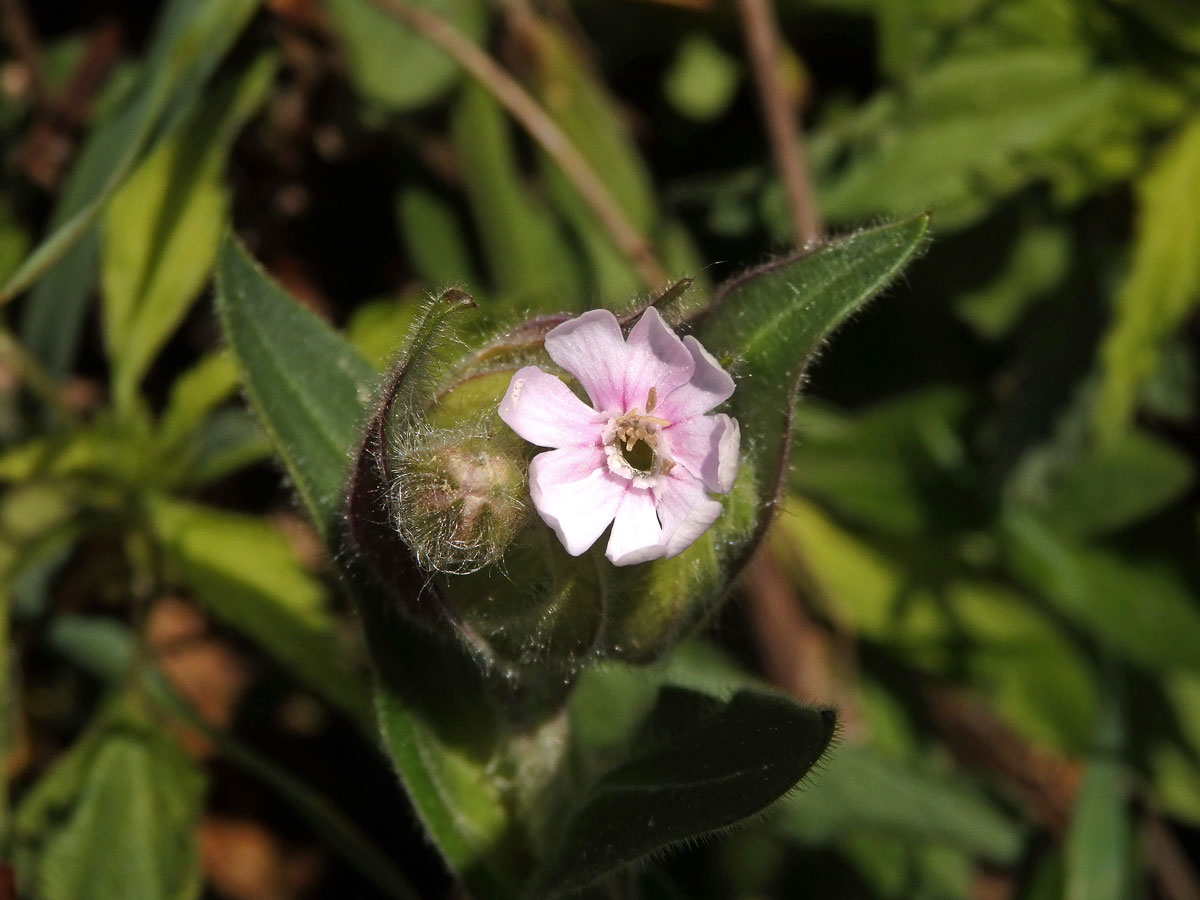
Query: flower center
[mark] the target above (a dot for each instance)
(634, 447)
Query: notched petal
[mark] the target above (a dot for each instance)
(575, 494)
(636, 533)
(656, 359)
(592, 348)
(542, 410)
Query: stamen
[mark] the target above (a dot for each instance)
(651, 400)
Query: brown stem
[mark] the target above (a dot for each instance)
(796, 654)
(780, 113)
(522, 107)
(1043, 781)
(1175, 873)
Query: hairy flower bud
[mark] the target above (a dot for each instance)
(449, 479)
(456, 496)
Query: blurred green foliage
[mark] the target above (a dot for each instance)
(992, 485)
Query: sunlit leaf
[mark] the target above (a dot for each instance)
(1163, 284)
(161, 228)
(188, 42)
(243, 571)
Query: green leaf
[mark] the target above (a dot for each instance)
(1163, 284)
(1035, 265)
(106, 649)
(702, 766)
(435, 237)
(189, 41)
(243, 571)
(161, 228)
(979, 125)
(881, 466)
(390, 63)
(772, 320)
(194, 394)
(309, 388)
(582, 107)
(860, 791)
(1097, 863)
(983, 634)
(115, 817)
(1113, 485)
(1140, 609)
(529, 259)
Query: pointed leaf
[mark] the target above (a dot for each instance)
(1163, 284)
(309, 387)
(707, 764)
(162, 227)
(772, 320)
(189, 42)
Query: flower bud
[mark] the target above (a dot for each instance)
(469, 527)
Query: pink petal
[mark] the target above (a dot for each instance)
(709, 386)
(636, 533)
(541, 408)
(708, 447)
(657, 359)
(685, 511)
(575, 494)
(592, 348)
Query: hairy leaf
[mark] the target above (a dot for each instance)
(770, 321)
(309, 388)
(701, 766)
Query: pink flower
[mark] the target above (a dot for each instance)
(642, 456)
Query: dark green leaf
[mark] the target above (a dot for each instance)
(1140, 609)
(309, 387)
(1125, 479)
(702, 766)
(1097, 864)
(772, 320)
